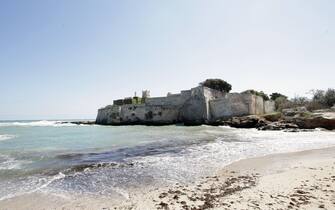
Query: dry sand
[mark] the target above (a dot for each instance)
(301, 180)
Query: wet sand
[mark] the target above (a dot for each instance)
(300, 180)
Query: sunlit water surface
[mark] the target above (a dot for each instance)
(63, 158)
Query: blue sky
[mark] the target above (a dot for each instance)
(67, 58)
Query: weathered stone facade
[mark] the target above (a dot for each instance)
(200, 105)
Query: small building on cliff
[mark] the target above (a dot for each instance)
(199, 105)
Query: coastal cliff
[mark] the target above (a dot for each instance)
(199, 105)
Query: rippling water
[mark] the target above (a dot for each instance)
(63, 158)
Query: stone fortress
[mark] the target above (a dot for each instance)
(199, 105)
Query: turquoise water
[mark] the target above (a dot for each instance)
(63, 158)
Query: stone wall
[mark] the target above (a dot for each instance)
(259, 105)
(162, 114)
(172, 100)
(269, 106)
(108, 115)
(194, 110)
(196, 106)
(211, 95)
(236, 104)
(232, 104)
(132, 114)
(137, 114)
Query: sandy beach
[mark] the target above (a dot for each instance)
(300, 180)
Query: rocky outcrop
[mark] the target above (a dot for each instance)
(294, 111)
(251, 121)
(324, 118)
(280, 125)
(278, 121)
(273, 117)
(259, 122)
(315, 120)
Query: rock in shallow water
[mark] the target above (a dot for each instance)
(316, 120)
(300, 120)
(251, 121)
(279, 126)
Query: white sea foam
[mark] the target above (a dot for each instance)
(122, 192)
(8, 163)
(60, 175)
(190, 152)
(29, 186)
(37, 123)
(41, 184)
(4, 137)
(233, 145)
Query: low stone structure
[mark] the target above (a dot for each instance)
(199, 105)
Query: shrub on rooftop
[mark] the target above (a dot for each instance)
(217, 84)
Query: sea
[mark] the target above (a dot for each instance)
(61, 158)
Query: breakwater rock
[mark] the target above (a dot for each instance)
(280, 121)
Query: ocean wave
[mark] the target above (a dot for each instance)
(34, 185)
(9, 163)
(4, 137)
(38, 123)
(166, 160)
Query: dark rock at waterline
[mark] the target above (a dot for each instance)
(300, 120)
(251, 121)
(316, 120)
(324, 118)
(278, 126)
(84, 122)
(273, 117)
(86, 166)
